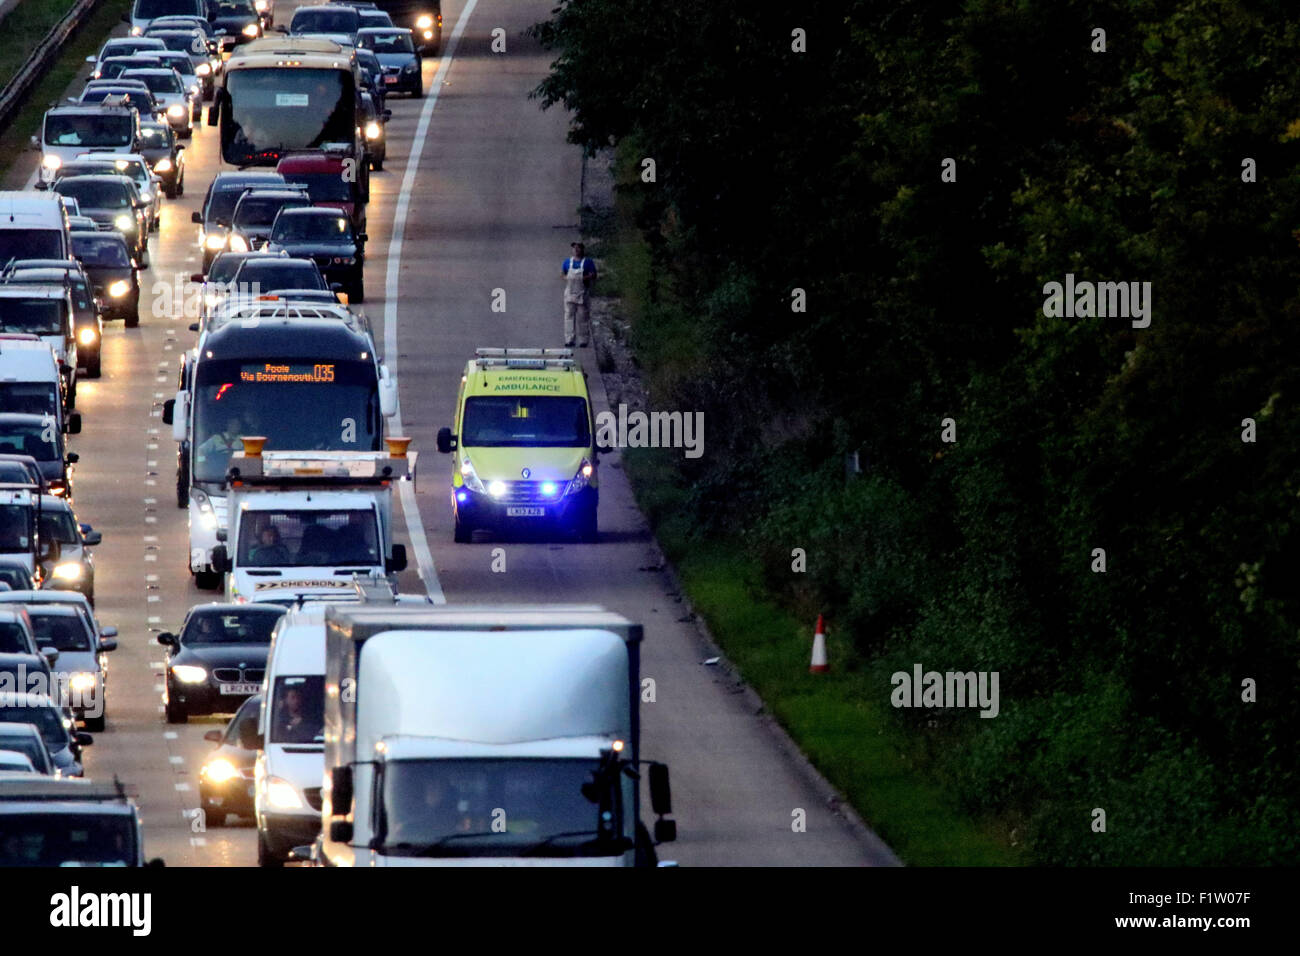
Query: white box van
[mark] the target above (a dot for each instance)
(33, 226)
(30, 380)
(45, 311)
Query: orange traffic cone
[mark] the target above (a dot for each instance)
(819, 665)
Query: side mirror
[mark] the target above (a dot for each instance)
(194, 326)
(362, 237)
(446, 441)
(301, 854)
(336, 286)
(197, 277)
(73, 425)
(91, 59)
(249, 738)
(197, 217)
(36, 143)
(42, 185)
(661, 796)
(72, 458)
(340, 831)
(166, 639)
(107, 644)
(93, 538)
(665, 831)
(341, 794)
(213, 735)
(109, 631)
(220, 559)
(50, 654)
(169, 410)
(84, 739)
(398, 561)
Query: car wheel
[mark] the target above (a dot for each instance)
(93, 367)
(175, 713)
(144, 256)
(264, 855)
(357, 291)
(377, 164)
(213, 815)
(95, 724)
(72, 392)
(207, 580)
(133, 317)
(180, 184)
(170, 192)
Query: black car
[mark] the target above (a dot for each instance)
(250, 226)
(325, 236)
(166, 156)
(219, 658)
(265, 274)
(239, 18)
(374, 123)
(88, 324)
(57, 728)
(30, 435)
(114, 201)
(372, 75)
(226, 777)
(219, 205)
(112, 271)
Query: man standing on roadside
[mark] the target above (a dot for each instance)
(579, 273)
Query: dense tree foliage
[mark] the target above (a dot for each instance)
(820, 170)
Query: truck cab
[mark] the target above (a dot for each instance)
(302, 524)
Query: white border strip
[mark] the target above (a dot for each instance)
(410, 509)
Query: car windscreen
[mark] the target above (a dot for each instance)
(298, 710)
(158, 82)
(156, 137)
(87, 130)
(387, 42)
(152, 9)
(96, 193)
(40, 440)
(59, 526)
(46, 717)
(30, 746)
(530, 421)
(231, 8)
(63, 632)
(29, 398)
(277, 274)
(104, 252)
(33, 316)
(13, 640)
(319, 20)
(313, 228)
(67, 839)
(307, 538)
(18, 579)
(257, 211)
(323, 187)
(187, 43)
(229, 627)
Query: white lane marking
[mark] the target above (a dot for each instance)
(151, 537)
(151, 557)
(170, 735)
(157, 665)
(176, 759)
(198, 841)
(153, 620)
(410, 509)
(159, 688)
(182, 786)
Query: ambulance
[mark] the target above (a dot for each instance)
(523, 445)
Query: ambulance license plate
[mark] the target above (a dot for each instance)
(525, 512)
(248, 689)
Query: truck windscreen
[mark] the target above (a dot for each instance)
(307, 538)
(33, 316)
(271, 110)
(31, 244)
(67, 839)
(449, 808)
(297, 403)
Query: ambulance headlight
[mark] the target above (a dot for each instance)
(581, 479)
(470, 477)
(497, 489)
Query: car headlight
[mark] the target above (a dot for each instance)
(125, 223)
(214, 241)
(410, 68)
(219, 770)
(250, 30)
(282, 795)
(136, 31)
(176, 110)
(82, 681)
(68, 571)
(582, 478)
(203, 69)
(51, 161)
(470, 476)
(424, 21)
(189, 673)
(372, 130)
(259, 6)
(88, 336)
(238, 243)
(119, 288)
(163, 165)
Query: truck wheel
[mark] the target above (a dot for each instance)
(264, 855)
(175, 713)
(207, 580)
(462, 533)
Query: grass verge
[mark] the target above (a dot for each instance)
(86, 41)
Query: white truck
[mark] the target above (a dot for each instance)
(492, 735)
(303, 523)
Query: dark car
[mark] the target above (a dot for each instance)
(226, 777)
(372, 75)
(166, 156)
(25, 673)
(112, 271)
(335, 21)
(250, 226)
(116, 201)
(218, 660)
(395, 47)
(325, 236)
(239, 18)
(27, 739)
(270, 273)
(14, 573)
(218, 284)
(137, 98)
(219, 205)
(88, 324)
(374, 120)
(30, 435)
(56, 728)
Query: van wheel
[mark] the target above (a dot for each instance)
(207, 580)
(264, 855)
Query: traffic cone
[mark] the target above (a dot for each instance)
(819, 665)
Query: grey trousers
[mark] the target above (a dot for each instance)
(577, 314)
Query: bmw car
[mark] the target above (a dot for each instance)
(218, 659)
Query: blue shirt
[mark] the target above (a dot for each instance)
(588, 267)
